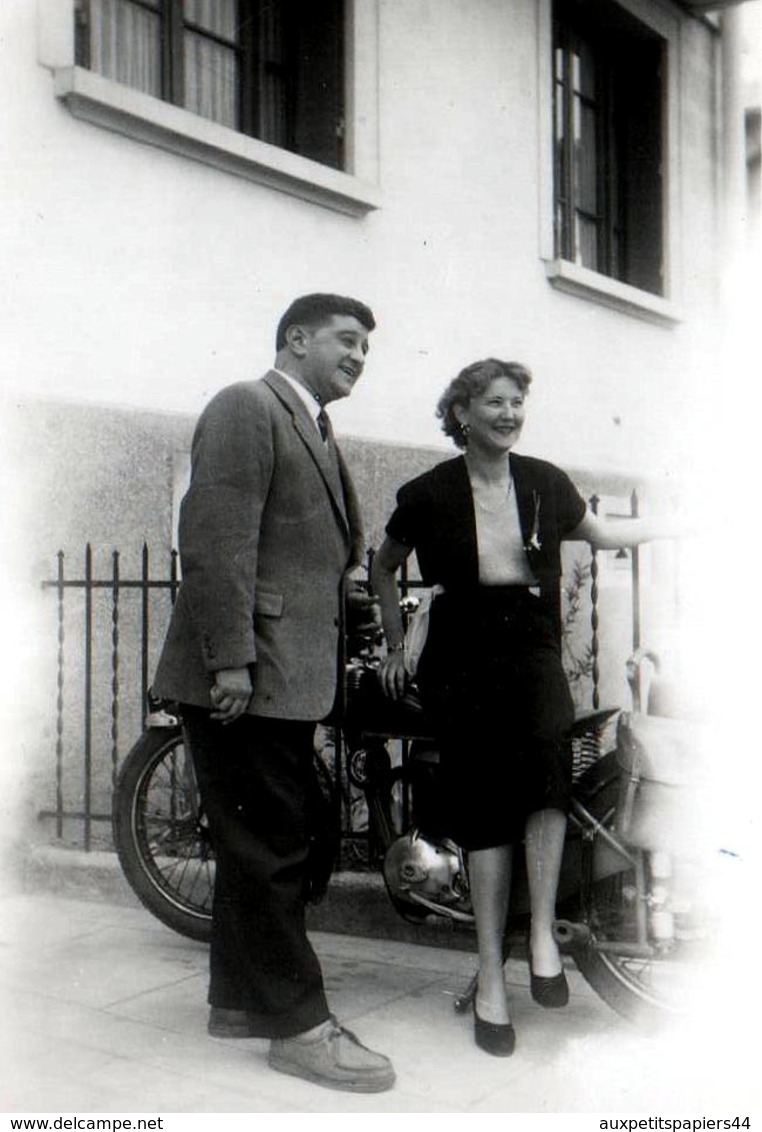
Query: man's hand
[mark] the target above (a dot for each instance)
(230, 693)
(362, 609)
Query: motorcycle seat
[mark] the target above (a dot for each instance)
(369, 712)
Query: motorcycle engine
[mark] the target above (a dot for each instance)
(428, 873)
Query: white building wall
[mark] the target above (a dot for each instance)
(147, 279)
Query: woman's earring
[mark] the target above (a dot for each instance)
(464, 430)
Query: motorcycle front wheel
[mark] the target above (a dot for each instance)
(614, 901)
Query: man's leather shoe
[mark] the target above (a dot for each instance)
(332, 1057)
(224, 1023)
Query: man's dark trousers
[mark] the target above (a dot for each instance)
(261, 798)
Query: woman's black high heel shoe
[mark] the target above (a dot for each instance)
(497, 1038)
(551, 991)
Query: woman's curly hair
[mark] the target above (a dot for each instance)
(471, 382)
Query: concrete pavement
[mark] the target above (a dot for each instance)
(104, 1011)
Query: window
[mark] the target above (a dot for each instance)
(609, 91)
(272, 69)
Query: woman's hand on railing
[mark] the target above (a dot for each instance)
(392, 675)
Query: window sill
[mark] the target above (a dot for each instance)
(91, 97)
(587, 284)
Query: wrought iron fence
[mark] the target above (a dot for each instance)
(110, 623)
(94, 800)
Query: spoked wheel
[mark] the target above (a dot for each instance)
(161, 835)
(616, 899)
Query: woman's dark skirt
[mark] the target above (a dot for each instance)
(492, 680)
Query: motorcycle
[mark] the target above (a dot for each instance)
(627, 908)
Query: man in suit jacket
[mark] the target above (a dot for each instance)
(269, 529)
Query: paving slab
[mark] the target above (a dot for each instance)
(103, 1010)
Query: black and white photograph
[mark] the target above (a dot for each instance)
(379, 402)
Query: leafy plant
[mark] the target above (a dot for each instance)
(578, 661)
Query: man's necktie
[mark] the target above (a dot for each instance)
(322, 423)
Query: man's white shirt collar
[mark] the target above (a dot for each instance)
(311, 403)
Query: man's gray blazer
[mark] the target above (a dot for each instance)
(268, 529)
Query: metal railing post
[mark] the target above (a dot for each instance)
(144, 629)
(635, 512)
(88, 694)
(59, 696)
(115, 667)
(594, 643)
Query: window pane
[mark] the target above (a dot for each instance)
(559, 114)
(586, 193)
(317, 67)
(587, 242)
(218, 16)
(125, 44)
(558, 65)
(274, 123)
(584, 72)
(562, 150)
(210, 80)
(560, 93)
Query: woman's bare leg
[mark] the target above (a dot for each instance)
(490, 879)
(544, 842)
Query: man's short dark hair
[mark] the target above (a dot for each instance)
(314, 310)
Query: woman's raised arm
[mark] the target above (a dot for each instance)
(611, 534)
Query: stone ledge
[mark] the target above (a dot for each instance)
(356, 903)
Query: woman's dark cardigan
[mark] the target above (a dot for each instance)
(435, 516)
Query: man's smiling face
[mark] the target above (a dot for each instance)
(333, 357)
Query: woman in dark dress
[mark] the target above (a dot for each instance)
(486, 528)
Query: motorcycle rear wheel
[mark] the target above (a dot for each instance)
(161, 836)
(644, 989)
